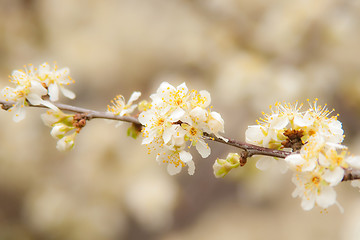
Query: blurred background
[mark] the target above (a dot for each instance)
(247, 54)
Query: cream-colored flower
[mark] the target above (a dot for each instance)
(177, 118)
(56, 80)
(312, 188)
(28, 89)
(121, 108)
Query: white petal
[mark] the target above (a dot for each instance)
(134, 96)
(147, 140)
(354, 161)
(44, 69)
(19, 114)
(37, 89)
(178, 138)
(191, 168)
(164, 88)
(334, 177)
(172, 169)
(53, 91)
(309, 165)
(177, 115)
(67, 93)
(254, 135)
(186, 157)
(205, 95)
(264, 163)
(48, 118)
(297, 192)
(61, 75)
(216, 123)
(198, 114)
(65, 144)
(168, 133)
(34, 99)
(129, 110)
(50, 105)
(145, 117)
(303, 121)
(182, 87)
(336, 127)
(295, 159)
(308, 202)
(326, 198)
(203, 148)
(58, 131)
(279, 123)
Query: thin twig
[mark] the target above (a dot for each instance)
(90, 113)
(249, 149)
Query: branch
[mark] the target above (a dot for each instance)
(249, 149)
(90, 114)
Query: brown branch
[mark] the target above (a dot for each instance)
(90, 113)
(351, 174)
(249, 149)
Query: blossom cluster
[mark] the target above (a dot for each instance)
(37, 86)
(63, 128)
(319, 160)
(175, 120)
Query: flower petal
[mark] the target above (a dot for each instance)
(186, 157)
(53, 91)
(173, 169)
(19, 113)
(334, 177)
(203, 148)
(353, 161)
(67, 93)
(134, 96)
(191, 168)
(254, 135)
(327, 197)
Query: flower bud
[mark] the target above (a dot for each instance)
(52, 117)
(223, 166)
(59, 130)
(66, 143)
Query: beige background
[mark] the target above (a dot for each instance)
(247, 54)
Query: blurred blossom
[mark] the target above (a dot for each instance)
(53, 209)
(151, 199)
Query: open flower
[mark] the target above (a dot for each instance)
(176, 159)
(28, 89)
(312, 188)
(177, 118)
(121, 108)
(56, 80)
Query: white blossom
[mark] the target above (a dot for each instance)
(121, 108)
(313, 190)
(56, 80)
(177, 118)
(28, 89)
(319, 160)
